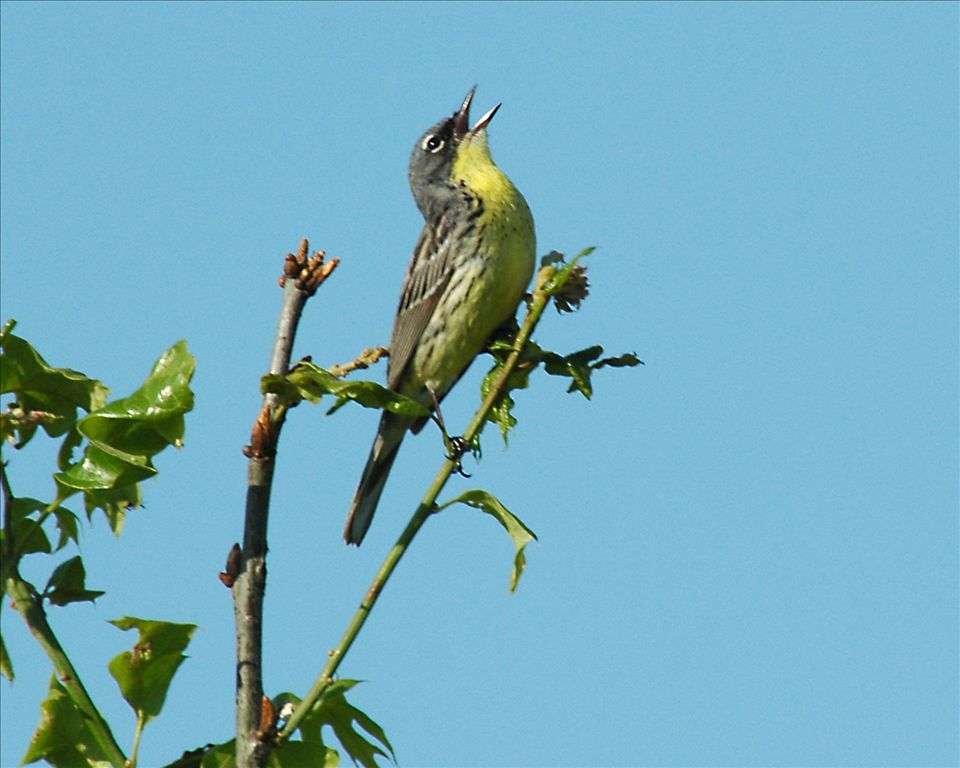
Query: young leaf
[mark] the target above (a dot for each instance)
(47, 396)
(579, 366)
(124, 435)
(150, 419)
(569, 285)
(144, 673)
(521, 535)
(66, 584)
(310, 382)
(333, 709)
(501, 413)
(63, 738)
(576, 366)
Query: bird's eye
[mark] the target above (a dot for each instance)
(433, 144)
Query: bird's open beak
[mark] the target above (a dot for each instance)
(462, 118)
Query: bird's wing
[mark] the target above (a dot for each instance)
(427, 278)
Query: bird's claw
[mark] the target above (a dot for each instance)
(458, 448)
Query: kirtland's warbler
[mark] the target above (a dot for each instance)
(469, 271)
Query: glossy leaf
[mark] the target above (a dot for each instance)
(521, 535)
(63, 738)
(151, 418)
(123, 437)
(145, 672)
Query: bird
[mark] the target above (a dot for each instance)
(469, 271)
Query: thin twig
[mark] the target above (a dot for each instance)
(427, 506)
(302, 277)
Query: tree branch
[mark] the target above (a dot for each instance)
(538, 303)
(302, 277)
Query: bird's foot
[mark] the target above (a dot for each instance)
(457, 448)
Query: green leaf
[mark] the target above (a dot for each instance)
(47, 396)
(310, 382)
(114, 502)
(63, 738)
(150, 419)
(576, 365)
(333, 710)
(104, 469)
(28, 533)
(501, 412)
(67, 524)
(521, 535)
(6, 663)
(144, 673)
(579, 366)
(124, 435)
(303, 754)
(66, 584)
(626, 360)
(221, 756)
(293, 754)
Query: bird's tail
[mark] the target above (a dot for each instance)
(389, 436)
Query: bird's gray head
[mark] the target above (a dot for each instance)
(431, 164)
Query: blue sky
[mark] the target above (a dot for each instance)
(748, 548)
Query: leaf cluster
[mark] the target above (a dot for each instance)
(106, 448)
(567, 286)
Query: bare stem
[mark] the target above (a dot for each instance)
(427, 506)
(302, 276)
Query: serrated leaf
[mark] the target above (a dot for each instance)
(333, 710)
(115, 502)
(63, 738)
(67, 525)
(67, 584)
(52, 393)
(576, 365)
(521, 535)
(310, 382)
(144, 673)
